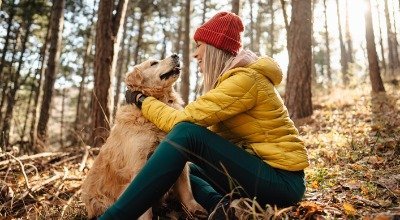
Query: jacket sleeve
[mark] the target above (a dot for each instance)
(234, 95)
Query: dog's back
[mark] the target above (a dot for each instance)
(126, 150)
(132, 138)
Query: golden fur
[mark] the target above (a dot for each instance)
(132, 139)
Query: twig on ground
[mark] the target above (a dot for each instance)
(385, 186)
(33, 189)
(27, 157)
(22, 170)
(84, 159)
(64, 160)
(69, 202)
(32, 168)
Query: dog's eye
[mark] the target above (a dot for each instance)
(153, 63)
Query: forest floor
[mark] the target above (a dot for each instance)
(353, 140)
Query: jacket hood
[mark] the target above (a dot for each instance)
(263, 65)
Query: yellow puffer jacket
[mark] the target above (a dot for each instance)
(245, 108)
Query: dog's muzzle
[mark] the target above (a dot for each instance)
(174, 72)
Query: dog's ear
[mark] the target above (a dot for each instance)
(134, 77)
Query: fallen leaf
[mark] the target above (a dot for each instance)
(375, 160)
(349, 209)
(352, 184)
(315, 184)
(383, 217)
(384, 203)
(307, 209)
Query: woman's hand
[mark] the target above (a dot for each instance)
(134, 97)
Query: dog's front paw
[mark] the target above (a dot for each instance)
(194, 210)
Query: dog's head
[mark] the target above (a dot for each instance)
(154, 76)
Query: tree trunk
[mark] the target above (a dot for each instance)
(120, 69)
(271, 30)
(85, 66)
(27, 113)
(57, 23)
(165, 33)
(343, 53)
(62, 118)
(349, 41)
(392, 62)
(185, 85)
(177, 43)
(298, 86)
(313, 45)
(86, 61)
(328, 49)
(140, 34)
(8, 79)
(199, 84)
(129, 50)
(258, 27)
(179, 33)
(395, 42)
(108, 36)
(236, 6)
(285, 17)
(38, 88)
(5, 137)
(381, 38)
(251, 31)
(374, 72)
(7, 39)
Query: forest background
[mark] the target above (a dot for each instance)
(341, 65)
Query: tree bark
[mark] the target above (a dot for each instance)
(260, 18)
(185, 85)
(85, 66)
(349, 41)
(178, 42)
(108, 36)
(271, 30)
(395, 42)
(251, 31)
(5, 137)
(236, 7)
(298, 86)
(199, 82)
(144, 10)
(343, 53)
(28, 110)
(374, 72)
(62, 118)
(120, 69)
(7, 39)
(328, 49)
(384, 67)
(391, 56)
(179, 33)
(285, 17)
(38, 89)
(57, 23)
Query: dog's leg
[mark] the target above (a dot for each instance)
(148, 215)
(184, 190)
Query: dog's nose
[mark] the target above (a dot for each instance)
(175, 56)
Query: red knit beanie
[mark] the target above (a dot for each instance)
(222, 31)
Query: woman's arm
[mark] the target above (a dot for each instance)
(234, 95)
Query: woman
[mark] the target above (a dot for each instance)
(250, 142)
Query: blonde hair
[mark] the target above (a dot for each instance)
(215, 61)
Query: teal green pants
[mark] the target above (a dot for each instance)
(220, 166)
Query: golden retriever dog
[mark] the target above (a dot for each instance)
(132, 139)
